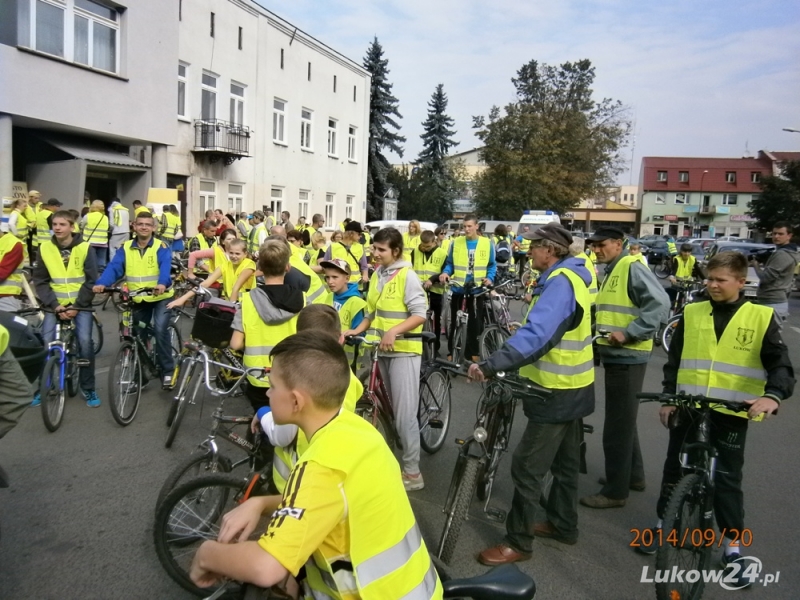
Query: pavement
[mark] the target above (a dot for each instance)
(77, 520)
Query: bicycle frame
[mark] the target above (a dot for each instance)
(377, 392)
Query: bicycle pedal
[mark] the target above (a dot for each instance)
(436, 424)
(82, 362)
(495, 514)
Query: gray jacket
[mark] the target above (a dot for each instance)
(777, 275)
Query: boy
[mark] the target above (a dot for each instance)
(635, 249)
(230, 271)
(684, 268)
(344, 517)
(428, 260)
(345, 298)
(736, 339)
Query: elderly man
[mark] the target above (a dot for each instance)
(553, 349)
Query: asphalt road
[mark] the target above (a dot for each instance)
(77, 520)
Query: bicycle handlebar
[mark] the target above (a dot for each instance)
(684, 399)
(202, 352)
(33, 310)
(425, 336)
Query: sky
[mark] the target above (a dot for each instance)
(701, 78)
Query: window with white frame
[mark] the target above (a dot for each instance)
(208, 97)
(237, 104)
(348, 207)
(305, 129)
(208, 196)
(235, 197)
(276, 200)
(730, 199)
(329, 198)
(660, 198)
(279, 121)
(351, 143)
(730, 176)
(681, 198)
(302, 204)
(683, 176)
(332, 137)
(661, 176)
(755, 177)
(183, 70)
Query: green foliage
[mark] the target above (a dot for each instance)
(427, 194)
(437, 136)
(552, 147)
(780, 198)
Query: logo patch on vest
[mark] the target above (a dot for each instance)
(295, 513)
(151, 261)
(745, 336)
(613, 282)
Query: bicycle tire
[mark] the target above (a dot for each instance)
(459, 342)
(180, 410)
(490, 341)
(190, 515)
(97, 335)
(185, 377)
(434, 404)
(668, 331)
(72, 374)
(427, 327)
(52, 394)
(459, 510)
(194, 466)
(483, 486)
(125, 373)
(689, 493)
(367, 411)
(662, 269)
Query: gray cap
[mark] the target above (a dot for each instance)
(552, 232)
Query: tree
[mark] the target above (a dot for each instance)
(779, 199)
(426, 197)
(437, 136)
(552, 147)
(382, 128)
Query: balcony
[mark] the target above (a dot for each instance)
(221, 140)
(707, 210)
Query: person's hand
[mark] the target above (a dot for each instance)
(528, 298)
(255, 425)
(238, 524)
(474, 373)
(175, 303)
(387, 341)
(616, 338)
(488, 283)
(200, 576)
(159, 289)
(234, 297)
(98, 289)
(365, 278)
(767, 406)
(664, 413)
(189, 275)
(672, 279)
(427, 284)
(444, 278)
(350, 332)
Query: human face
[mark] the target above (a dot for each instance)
(336, 280)
(540, 256)
(723, 285)
(607, 250)
(336, 237)
(298, 243)
(62, 229)
(143, 228)
(685, 255)
(440, 237)
(236, 254)
(471, 229)
(634, 250)
(383, 254)
(781, 236)
(427, 247)
(282, 400)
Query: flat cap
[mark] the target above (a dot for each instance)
(607, 233)
(553, 232)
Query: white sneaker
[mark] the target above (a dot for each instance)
(413, 482)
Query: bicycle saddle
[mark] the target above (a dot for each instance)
(505, 582)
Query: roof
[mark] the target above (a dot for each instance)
(93, 151)
(784, 156)
(703, 174)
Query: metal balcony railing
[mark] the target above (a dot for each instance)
(221, 137)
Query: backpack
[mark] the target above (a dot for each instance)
(502, 250)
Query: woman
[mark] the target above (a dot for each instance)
(19, 225)
(216, 255)
(396, 304)
(411, 238)
(337, 236)
(95, 232)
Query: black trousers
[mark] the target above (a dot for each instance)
(545, 446)
(623, 456)
(521, 259)
(435, 301)
(474, 323)
(727, 434)
(257, 396)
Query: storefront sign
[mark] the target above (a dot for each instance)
(691, 209)
(670, 217)
(746, 218)
(657, 217)
(723, 210)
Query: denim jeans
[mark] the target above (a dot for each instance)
(143, 312)
(83, 328)
(100, 254)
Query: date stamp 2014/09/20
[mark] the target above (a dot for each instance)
(690, 537)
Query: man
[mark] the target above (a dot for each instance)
(269, 220)
(286, 222)
(555, 352)
(44, 219)
(684, 268)
(317, 223)
(145, 262)
(170, 226)
(344, 223)
(223, 222)
(521, 245)
(12, 255)
(258, 233)
(470, 260)
(576, 249)
(243, 226)
(631, 305)
(119, 219)
(203, 241)
(776, 276)
(138, 208)
(301, 224)
(34, 204)
(352, 252)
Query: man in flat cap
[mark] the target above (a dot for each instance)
(631, 305)
(553, 349)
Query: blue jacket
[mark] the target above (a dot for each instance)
(116, 268)
(339, 299)
(491, 268)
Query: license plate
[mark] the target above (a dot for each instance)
(750, 293)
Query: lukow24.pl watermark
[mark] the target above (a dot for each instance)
(746, 571)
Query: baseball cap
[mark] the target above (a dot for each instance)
(337, 263)
(36, 193)
(552, 232)
(53, 202)
(607, 233)
(354, 226)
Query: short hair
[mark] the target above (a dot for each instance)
(218, 210)
(686, 248)
(440, 230)
(66, 215)
(783, 224)
(391, 237)
(577, 246)
(137, 202)
(319, 317)
(470, 217)
(273, 256)
(210, 224)
(294, 235)
(735, 262)
(636, 245)
(427, 237)
(209, 213)
(226, 233)
(145, 215)
(500, 230)
(242, 215)
(286, 212)
(236, 242)
(317, 218)
(315, 364)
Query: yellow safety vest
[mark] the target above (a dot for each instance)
(13, 284)
(230, 274)
(316, 289)
(286, 456)
(409, 243)
(685, 267)
(615, 310)
(260, 338)
(446, 245)
(367, 243)
(253, 244)
(65, 281)
(461, 260)
(23, 225)
(390, 309)
(592, 257)
(115, 211)
(569, 364)
(301, 253)
(244, 225)
(170, 225)
(311, 232)
(269, 222)
(43, 231)
(96, 230)
(388, 555)
(3, 339)
(426, 267)
(672, 247)
(524, 246)
(730, 369)
(593, 285)
(347, 312)
(356, 251)
(142, 270)
(138, 210)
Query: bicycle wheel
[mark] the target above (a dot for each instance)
(490, 341)
(668, 331)
(196, 465)
(427, 349)
(662, 269)
(189, 515)
(125, 384)
(459, 509)
(485, 482)
(52, 394)
(684, 516)
(459, 342)
(185, 373)
(175, 341)
(72, 374)
(181, 402)
(97, 335)
(367, 411)
(434, 410)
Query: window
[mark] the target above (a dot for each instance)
(681, 198)
(683, 176)
(351, 143)
(354, 93)
(755, 177)
(279, 121)
(182, 70)
(302, 205)
(276, 201)
(334, 84)
(212, 24)
(730, 199)
(348, 207)
(95, 40)
(207, 196)
(730, 176)
(331, 137)
(660, 198)
(329, 209)
(235, 197)
(305, 129)
(241, 36)
(309, 71)
(281, 58)
(208, 99)
(755, 197)
(237, 104)
(46, 27)
(662, 176)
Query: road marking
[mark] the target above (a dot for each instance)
(797, 329)
(102, 370)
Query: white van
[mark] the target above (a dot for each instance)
(401, 226)
(534, 219)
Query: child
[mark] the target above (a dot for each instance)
(345, 298)
(635, 249)
(711, 334)
(428, 261)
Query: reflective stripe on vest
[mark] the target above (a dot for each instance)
(461, 260)
(12, 285)
(96, 230)
(43, 231)
(730, 369)
(685, 268)
(142, 270)
(116, 211)
(316, 289)
(65, 281)
(593, 285)
(339, 250)
(673, 249)
(390, 309)
(569, 364)
(347, 312)
(426, 267)
(260, 338)
(615, 310)
(170, 226)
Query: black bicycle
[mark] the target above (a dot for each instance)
(687, 293)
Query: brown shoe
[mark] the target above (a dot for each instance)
(600, 501)
(546, 529)
(636, 486)
(500, 555)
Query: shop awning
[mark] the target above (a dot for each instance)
(94, 152)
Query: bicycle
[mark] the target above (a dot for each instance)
(687, 293)
(690, 509)
(433, 413)
(462, 319)
(136, 358)
(497, 323)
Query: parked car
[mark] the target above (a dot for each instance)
(649, 239)
(655, 251)
(704, 242)
(758, 251)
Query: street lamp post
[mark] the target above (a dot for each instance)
(702, 200)
(790, 130)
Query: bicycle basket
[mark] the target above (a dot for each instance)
(212, 322)
(25, 344)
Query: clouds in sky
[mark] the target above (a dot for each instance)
(701, 78)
